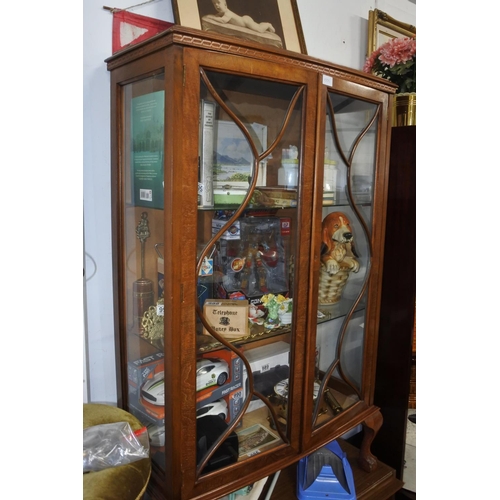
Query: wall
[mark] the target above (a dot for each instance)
(334, 30)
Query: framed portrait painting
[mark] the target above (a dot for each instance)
(270, 22)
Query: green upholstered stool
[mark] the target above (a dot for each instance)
(124, 482)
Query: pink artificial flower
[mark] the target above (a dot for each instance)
(370, 61)
(398, 50)
(395, 60)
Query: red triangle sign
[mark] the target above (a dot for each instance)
(129, 29)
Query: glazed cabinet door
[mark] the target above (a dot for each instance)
(252, 195)
(347, 249)
(213, 197)
(139, 219)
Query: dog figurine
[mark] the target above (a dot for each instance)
(337, 249)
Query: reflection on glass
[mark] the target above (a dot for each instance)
(250, 147)
(142, 212)
(349, 167)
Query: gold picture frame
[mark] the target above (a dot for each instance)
(270, 22)
(382, 27)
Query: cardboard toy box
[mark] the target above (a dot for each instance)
(232, 391)
(234, 401)
(147, 418)
(268, 356)
(233, 233)
(234, 381)
(148, 371)
(142, 368)
(268, 363)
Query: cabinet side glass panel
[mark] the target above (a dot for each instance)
(349, 166)
(249, 170)
(142, 260)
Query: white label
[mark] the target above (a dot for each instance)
(327, 80)
(146, 194)
(159, 309)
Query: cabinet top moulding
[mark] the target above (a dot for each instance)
(190, 37)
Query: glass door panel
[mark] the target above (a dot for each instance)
(249, 170)
(142, 261)
(349, 166)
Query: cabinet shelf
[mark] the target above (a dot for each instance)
(339, 310)
(274, 210)
(207, 343)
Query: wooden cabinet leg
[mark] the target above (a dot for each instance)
(371, 426)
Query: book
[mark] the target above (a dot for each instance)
(206, 160)
(147, 149)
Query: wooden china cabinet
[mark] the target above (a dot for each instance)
(249, 200)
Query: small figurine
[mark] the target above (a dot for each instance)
(253, 263)
(285, 311)
(272, 303)
(337, 257)
(260, 254)
(255, 315)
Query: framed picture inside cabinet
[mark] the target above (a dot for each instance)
(270, 22)
(233, 158)
(382, 27)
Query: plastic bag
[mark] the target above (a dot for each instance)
(109, 445)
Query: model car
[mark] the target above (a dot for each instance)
(153, 390)
(211, 371)
(218, 407)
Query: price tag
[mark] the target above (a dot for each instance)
(327, 80)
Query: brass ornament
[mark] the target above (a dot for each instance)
(152, 323)
(143, 294)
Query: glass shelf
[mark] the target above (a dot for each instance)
(274, 210)
(335, 311)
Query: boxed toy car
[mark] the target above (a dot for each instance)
(149, 396)
(147, 417)
(209, 383)
(227, 407)
(142, 368)
(209, 388)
